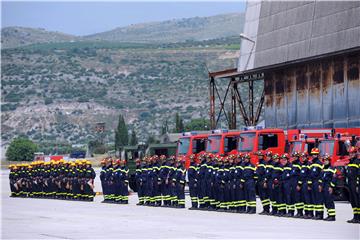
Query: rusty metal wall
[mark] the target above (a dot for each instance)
(320, 93)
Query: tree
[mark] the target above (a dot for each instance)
(133, 138)
(121, 134)
(165, 127)
(21, 149)
(179, 125)
(151, 139)
(200, 124)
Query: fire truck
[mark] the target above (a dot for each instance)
(191, 143)
(222, 142)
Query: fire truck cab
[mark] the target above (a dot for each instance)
(254, 139)
(222, 141)
(190, 143)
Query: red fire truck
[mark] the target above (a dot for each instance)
(191, 143)
(222, 142)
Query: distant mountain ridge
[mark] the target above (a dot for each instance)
(170, 31)
(177, 30)
(20, 36)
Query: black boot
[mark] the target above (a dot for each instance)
(330, 218)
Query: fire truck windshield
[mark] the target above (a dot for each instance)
(183, 145)
(246, 142)
(213, 144)
(326, 146)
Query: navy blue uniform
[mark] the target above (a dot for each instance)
(317, 198)
(327, 181)
(192, 175)
(249, 187)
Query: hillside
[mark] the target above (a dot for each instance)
(21, 36)
(176, 30)
(57, 92)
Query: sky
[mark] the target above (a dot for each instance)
(83, 18)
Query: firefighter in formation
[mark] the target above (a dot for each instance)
(114, 177)
(68, 180)
(161, 181)
(298, 186)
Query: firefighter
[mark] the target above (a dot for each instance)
(192, 175)
(125, 182)
(277, 170)
(315, 174)
(232, 184)
(171, 182)
(162, 174)
(287, 208)
(294, 178)
(268, 181)
(180, 183)
(304, 188)
(352, 179)
(220, 184)
(109, 181)
(13, 177)
(102, 179)
(326, 187)
(249, 174)
(202, 182)
(260, 172)
(226, 178)
(144, 180)
(239, 188)
(138, 181)
(156, 182)
(116, 174)
(208, 180)
(89, 182)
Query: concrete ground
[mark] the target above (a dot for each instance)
(59, 219)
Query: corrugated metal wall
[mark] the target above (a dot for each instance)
(321, 93)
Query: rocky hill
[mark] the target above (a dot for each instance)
(21, 36)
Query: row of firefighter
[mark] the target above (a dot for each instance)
(299, 186)
(70, 180)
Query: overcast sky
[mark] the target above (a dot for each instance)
(82, 18)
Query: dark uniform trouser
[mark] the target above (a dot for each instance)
(167, 198)
(250, 194)
(208, 193)
(227, 197)
(328, 201)
(354, 198)
(264, 195)
(317, 198)
(180, 192)
(174, 197)
(280, 206)
(271, 196)
(307, 198)
(286, 197)
(156, 192)
(193, 194)
(139, 192)
(296, 197)
(221, 195)
(202, 193)
(103, 187)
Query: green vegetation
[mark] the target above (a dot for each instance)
(121, 134)
(21, 149)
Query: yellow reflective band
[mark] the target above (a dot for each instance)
(317, 165)
(330, 170)
(353, 165)
(249, 167)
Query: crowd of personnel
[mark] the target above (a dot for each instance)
(70, 180)
(114, 177)
(299, 186)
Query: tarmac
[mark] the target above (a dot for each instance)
(59, 219)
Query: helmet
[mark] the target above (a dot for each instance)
(326, 157)
(353, 149)
(268, 153)
(315, 151)
(285, 155)
(296, 154)
(275, 156)
(247, 156)
(260, 153)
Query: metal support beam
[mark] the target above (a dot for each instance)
(233, 105)
(241, 106)
(251, 102)
(222, 104)
(212, 102)
(258, 110)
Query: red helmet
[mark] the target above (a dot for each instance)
(247, 156)
(315, 151)
(275, 156)
(285, 155)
